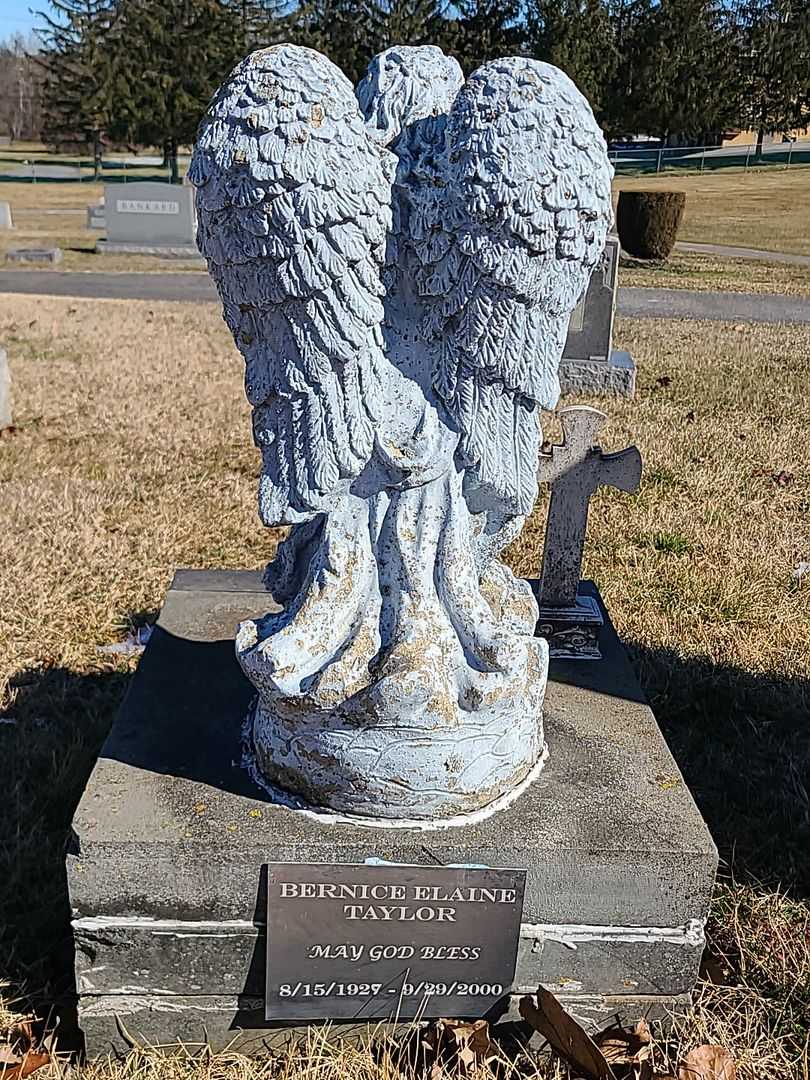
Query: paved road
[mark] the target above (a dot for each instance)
(726, 251)
(197, 288)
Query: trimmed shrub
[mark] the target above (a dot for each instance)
(647, 222)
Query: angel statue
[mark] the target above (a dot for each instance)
(398, 267)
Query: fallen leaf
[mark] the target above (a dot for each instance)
(459, 1046)
(625, 1046)
(32, 1061)
(782, 478)
(708, 1063)
(565, 1036)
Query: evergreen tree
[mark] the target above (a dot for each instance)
(337, 28)
(685, 80)
(259, 23)
(773, 65)
(402, 22)
(577, 36)
(78, 72)
(172, 55)
(623, 89)
(484, 30)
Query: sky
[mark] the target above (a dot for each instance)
(15, 16)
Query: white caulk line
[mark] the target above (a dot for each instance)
(568, 934)
(166, 926)
(328, 817)
(571, 935)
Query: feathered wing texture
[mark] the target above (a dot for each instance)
(405, 84)
(293, 204)
(505, 245)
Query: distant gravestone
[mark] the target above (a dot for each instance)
(5, 216)
(50, 256)
(149, 218)
(5, 391)
(589, 363)
(96, 218)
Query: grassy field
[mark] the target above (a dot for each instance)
(765, 209)
(132, 456)
(685, 270)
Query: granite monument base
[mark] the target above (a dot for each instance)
(171, 834)
(615, 377)
(161, 251)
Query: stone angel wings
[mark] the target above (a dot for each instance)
(398, 266)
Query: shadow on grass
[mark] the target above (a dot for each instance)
(741, 740)
(50, 736)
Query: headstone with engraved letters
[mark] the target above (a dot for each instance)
(348, 942)
(149, 218)
(590, 364)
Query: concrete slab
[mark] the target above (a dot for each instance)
(51, 256)
(171, 834)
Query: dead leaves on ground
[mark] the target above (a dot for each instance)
(459, 1047)
(617, 1053)
(21, 1055)
(708, 1063)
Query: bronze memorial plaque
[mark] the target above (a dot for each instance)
(350, 942)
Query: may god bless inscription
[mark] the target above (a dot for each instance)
(347, 942)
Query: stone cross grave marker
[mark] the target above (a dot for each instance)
(575, 469)
(149, 218)
(590, 364)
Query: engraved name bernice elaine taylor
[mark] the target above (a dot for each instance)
(428, 902)
(374, 939)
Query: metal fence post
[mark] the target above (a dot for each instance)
(702, 157)
(658, 162)
(747, 156)
(790, 155)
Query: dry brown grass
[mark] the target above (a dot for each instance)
(765, 209)
(684, 270)
(132, 457)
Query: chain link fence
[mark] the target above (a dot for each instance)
(703, 158)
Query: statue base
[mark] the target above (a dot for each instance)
(165, 874)
(572, 632)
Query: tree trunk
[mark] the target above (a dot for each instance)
(171, 150)
(97, 151)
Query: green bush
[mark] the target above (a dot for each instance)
(647, 222)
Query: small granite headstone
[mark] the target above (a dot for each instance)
(5, 391)
(50, 256)
(589, 363)
(149, 218)
(5, 216)
(96, 218)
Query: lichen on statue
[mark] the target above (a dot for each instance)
(398, 269)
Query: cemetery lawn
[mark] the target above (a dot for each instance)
(132, 456)
(686, 270)
(764, 208)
